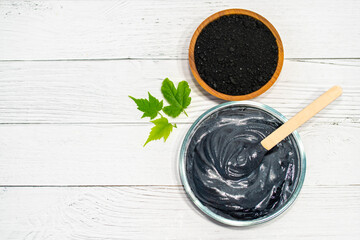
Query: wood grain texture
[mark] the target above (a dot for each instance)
(113, 155)
(320, 212)
(97, 91)
(162, 29)
(71, 123)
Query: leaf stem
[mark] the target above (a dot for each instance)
(185, 113)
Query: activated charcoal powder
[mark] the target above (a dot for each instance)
(236, 54)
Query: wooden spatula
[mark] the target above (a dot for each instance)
(255, 154)
(301, 117)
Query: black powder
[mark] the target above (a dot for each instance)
(236, 54)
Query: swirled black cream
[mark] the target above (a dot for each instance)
(222, 179)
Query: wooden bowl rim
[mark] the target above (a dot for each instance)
(237, 97)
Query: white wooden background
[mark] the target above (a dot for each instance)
(72, 165)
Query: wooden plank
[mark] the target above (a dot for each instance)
(113, 155)
(162, 29)
(320, 212)
(97, 91)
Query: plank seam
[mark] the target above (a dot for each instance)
(142, 185)
(147, 59)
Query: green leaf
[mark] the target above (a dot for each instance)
(178, 98)
(162, 129)
(150, 107)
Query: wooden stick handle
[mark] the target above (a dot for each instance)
(301, 117)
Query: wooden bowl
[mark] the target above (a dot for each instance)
(238, 97)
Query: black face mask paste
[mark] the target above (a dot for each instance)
(215, 166)
(236, 54)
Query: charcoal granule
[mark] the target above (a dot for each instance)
(236, 54)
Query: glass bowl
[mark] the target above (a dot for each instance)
(206, 210)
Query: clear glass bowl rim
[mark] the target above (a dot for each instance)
(207, 211)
